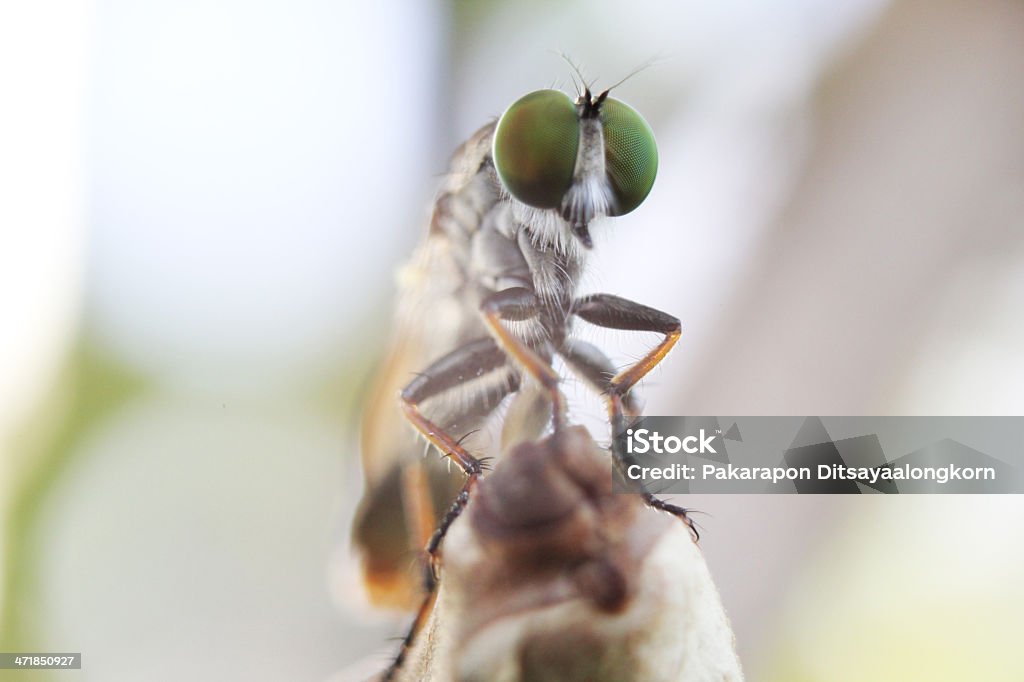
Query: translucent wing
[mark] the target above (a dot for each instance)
(404, 491)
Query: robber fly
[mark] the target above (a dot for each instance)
(486, 303)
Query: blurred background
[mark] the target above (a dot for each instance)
(202, 205)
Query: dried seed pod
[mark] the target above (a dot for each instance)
(550, 575)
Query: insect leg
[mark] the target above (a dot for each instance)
(613, 312)
(422, 614)
(417, 504)
(465, 363)
(594, 367)
(516, 304)
(596, 370)
(462, 365)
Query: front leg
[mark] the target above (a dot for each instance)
(613, 312)
(518, 304)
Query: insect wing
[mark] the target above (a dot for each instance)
(405, 492)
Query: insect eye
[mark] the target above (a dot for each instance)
(535, 147)
(631, 155)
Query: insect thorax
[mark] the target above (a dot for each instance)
(499, 243)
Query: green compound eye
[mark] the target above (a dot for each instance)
(631, 155)
(535, 147)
